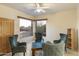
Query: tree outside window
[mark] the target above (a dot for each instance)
(25, 27)
(41, 27)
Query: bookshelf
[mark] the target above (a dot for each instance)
(70, 38)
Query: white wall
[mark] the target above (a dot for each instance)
(78, 24)
(59, 22)
(56, 23)
(8, 12)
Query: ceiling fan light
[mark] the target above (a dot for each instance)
(40, 10)
(43, 10)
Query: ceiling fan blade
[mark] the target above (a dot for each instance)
(40, 6)
(44, 7)
(37, 7)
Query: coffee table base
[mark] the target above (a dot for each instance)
(35, 49)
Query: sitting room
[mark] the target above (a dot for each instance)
(39, 29)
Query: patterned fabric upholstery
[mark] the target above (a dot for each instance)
(38, 44)
(16, 46)
(13, 40)
(51, 49)
(62, 37)
(39, 41)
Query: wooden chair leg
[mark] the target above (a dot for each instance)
(24, 54)
(13, 54)
(33, 52)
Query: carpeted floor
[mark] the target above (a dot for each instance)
(39, 53)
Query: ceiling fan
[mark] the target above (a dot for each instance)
(40, 8)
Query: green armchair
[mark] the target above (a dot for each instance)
(57, 47)
(63, 37)
(51, 49)
(16, 46)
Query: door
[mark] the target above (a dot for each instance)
(7, 29)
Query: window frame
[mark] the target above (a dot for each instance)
(39, 20)
(20, 17)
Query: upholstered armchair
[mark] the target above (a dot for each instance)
(57, 47)
(63, 37)
(51, 49)
(38, 44)
(39, 41)
(16, 46)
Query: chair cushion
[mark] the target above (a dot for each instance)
(14, 41)
(38, 44)
(53, 49)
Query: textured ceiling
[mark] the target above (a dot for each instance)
(29, 8)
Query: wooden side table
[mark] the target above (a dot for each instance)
(35, 49)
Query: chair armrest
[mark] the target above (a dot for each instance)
(54, 49)
(57, 41)
(19, 48)
(21, 44)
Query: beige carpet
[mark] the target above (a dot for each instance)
(40, 53)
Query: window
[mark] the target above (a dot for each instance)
(41, 27)
(25, 27)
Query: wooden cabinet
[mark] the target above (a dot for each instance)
(6, 30)
(70, 38)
